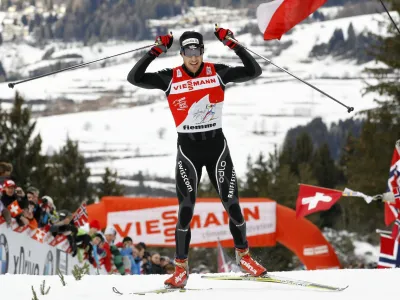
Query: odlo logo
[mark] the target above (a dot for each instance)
(221, 172)
(184, 176)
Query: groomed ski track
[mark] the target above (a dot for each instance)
(374, 284)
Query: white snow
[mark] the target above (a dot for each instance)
(273, 103)
(363, 283)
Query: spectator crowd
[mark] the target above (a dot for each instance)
(90, 243)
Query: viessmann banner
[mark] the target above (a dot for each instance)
(153, 221)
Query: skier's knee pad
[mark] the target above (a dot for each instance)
(185, 216)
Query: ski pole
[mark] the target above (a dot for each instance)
(349, 109)
(11, 84)
(394, 23)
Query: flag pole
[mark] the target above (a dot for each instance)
(383, 231)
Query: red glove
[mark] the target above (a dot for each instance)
(222, 33)
(164, 43)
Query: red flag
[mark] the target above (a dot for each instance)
(222, 265)
(389, 256)
(277, 17)
(39, 235)
(225, 264)
(14, 209)
(311, 199)
(391, 211)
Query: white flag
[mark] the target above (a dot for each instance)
(351, 193)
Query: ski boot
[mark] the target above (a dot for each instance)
(248, 264)
(179, 279)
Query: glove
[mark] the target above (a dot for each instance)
(164, 43)
(222, 33)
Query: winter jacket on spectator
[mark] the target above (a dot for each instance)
(7, 200)
(117, 259)
(157, 269)
(135, 263)
(65, 225)
(83, 242)
(5, 213)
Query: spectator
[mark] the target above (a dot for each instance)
(5, 213)
(65, 225)
(5, 172)
(103, 257)
(48, 212)
(27, 217)
(110, 235)
(146, 263)
(9, 194)
(32, 194)
(164, 260)
(84, 244)
(94, 227)
(113, 251)
(130, 256)
(155, 264)
(169, 268)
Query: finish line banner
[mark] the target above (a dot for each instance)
(153, 221)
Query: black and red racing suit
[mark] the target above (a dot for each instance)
(196, 100)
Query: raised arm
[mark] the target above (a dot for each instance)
(158, 80)
(250, 70)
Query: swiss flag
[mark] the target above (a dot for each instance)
(39, 235)
(14, 209)
(277, 17)
(311, 199)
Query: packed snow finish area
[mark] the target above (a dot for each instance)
(363, 284)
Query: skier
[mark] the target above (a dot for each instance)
(195, 93)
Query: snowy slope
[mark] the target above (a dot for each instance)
(256, 114)
(370, 284)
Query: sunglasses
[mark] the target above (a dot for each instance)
(189, 52)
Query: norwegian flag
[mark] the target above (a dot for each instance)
(277, 17)
(396, 230)
(14, 209)
(391, 211)
(311, 199)
(81, 216)
(389, 255)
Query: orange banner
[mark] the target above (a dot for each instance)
(153, 221)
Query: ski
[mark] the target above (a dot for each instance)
(276, 279)
(161, 291)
